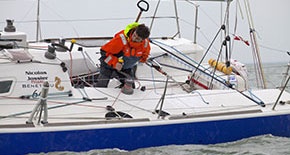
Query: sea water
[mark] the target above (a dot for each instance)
(274, 74)
(259, 145)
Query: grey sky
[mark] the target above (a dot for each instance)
(271, 21)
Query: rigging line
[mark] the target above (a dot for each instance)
(278, 98)
(38, 27)
(84, 20)
(226, 18)
(185, 61)
(181, 59)
(47, 63)
(208, 40)
(77, 20)
(64, 104)
(220, 81)
(207, 50)
(262, 77)
(286, 73)
(200, 95)
(177, 68)
(162, 98)
(215, 67)
(222, 93)
(171, 47)
(256, 69)
(154, 15)
(226, 31)
(274, 49)
(62, 18)
(188, 23)
(240, 8)
(235, 23)
(27, 112)
(253, 95)
(159, 17)
(188, 1)
(115, 97)
(29, 10)
(256, 63)
(83, 93)
(86, 64)
(84, 53)
(224, 109)
(229, 51)
(70, 68)
(177, 18)
(205, 12)
(274, 66)
(153, 81)
(255, 43)
(158, 68)
(271, 83)
(35, 48)
(71, 118)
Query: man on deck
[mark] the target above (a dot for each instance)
(122, 53)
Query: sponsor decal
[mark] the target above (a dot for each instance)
(35, 79)
(57, 84)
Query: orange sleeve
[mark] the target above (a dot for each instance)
(145, 53)
(114, 46)
(111, 60)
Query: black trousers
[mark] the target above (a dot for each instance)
(107, 73)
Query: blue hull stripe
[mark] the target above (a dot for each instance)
(131, 138)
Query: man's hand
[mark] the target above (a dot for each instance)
(119, 66)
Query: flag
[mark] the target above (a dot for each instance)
(241, 39)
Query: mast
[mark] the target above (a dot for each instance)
(195, 21)
(37, 21)
(256, 51)
(177, 18)
(195, 24)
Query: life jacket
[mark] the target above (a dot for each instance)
(122, 46)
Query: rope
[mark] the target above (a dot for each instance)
(54, 107)
(203, 100)
(274, 49)
(116, 98)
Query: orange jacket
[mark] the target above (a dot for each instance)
(121, 43)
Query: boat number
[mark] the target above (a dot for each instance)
(35, 94)
(57, 84)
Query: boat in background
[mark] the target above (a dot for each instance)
(49, 103)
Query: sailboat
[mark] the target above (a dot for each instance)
(49, 102)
